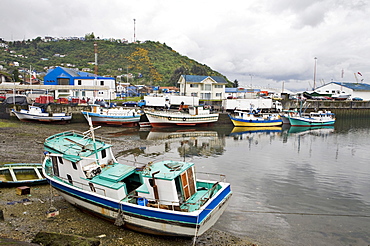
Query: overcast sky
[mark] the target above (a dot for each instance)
(260, 42)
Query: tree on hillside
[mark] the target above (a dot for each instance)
(236, 83)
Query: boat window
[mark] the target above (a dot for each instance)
(70, 179)
(60, 159)
(74, 164)
(55, 165)
(103, 153)
(92, 188)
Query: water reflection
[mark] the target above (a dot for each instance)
(180, 143)
(315, 181)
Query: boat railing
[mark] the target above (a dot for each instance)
(75, 132)
(211, 176)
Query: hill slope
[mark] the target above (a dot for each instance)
(150, 63)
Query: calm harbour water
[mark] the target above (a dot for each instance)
(290, 186)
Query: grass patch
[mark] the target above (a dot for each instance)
(7, 124)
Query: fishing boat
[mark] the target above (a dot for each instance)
(285, 114)
(19, 174)
(195, 116)
(34, 113)
(161, 198)
(113, 116)
(319, 118)
(252, 119)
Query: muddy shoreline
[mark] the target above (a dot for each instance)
(26, 215)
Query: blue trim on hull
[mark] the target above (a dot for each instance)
(161, 215)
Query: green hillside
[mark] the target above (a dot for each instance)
(150, 63)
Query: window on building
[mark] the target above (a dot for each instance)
(219, 86)
(194, 94)
(207, 87)
(101, 82)
(193, 85)
(60, 159)
(218, 94)
(74, 165)
(79, 82)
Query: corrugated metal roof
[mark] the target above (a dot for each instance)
(200, 78)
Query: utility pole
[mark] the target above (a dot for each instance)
(134, 31)
(314, 75)
(96, 58)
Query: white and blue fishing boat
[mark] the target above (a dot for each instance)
(113, 116)
(161, 198)
(34, 113)
(319, 118)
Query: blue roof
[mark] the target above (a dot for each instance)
(200, 78)
(353, 86)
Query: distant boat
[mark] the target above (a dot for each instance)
(163, 198)
(19, 174)
(341, 96)
(38, 114)
(113, 116)
(285, 115)
(196, 116)
(319, 118)
(241, 118)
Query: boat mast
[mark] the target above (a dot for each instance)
(91, 131)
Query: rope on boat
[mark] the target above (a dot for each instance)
(196, 232)
(120, 220)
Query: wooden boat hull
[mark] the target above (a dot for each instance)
(163, 119)
(99, 119)
(255, 123)
(19, 174)
(42, 118)
(309, 122)
(147, 219)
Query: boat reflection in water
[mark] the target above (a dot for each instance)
(182, 143)
(250, 132)
(315, 130)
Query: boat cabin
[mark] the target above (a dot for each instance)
(91, 166)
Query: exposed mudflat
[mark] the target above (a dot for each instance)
(26, 215)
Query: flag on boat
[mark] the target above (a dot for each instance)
(359, 73)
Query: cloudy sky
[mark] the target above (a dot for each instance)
(266, 43)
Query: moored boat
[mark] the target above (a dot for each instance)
(19, 174)
(319, 118)
(196, 116)
(251, 119)
(113, 116)
(35, 113)
(162, 198)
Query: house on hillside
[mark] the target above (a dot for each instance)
(5, 78)
(360, 90)
(73, 77)
(204, 87)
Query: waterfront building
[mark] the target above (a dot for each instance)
(72, 77)
(204, 87)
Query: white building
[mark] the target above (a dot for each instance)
(204, 87)
(360, 90)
